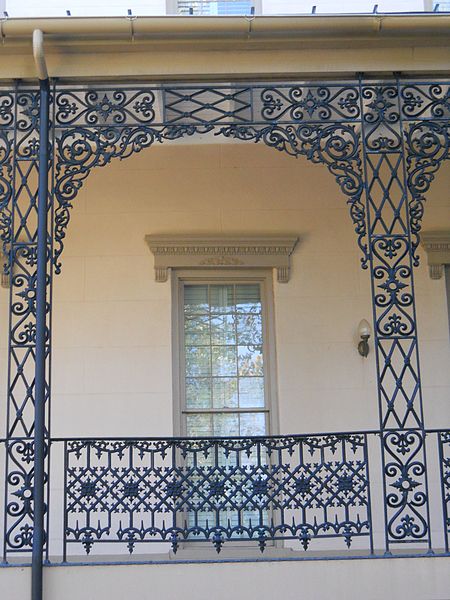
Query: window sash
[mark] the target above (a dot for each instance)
(215, 301)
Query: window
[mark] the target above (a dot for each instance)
(224, 377)
(223, 382)
(441, 5)
(213, 7)
(224, 387)
(436, 5)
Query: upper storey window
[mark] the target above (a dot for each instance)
(223, 359)
(216, 8)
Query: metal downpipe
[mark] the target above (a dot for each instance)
(39, 476)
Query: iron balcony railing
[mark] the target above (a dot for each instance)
(110, 497)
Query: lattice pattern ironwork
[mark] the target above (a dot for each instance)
(19, 135)
(444, 456)
(259, 489)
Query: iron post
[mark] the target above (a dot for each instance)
(41, 336)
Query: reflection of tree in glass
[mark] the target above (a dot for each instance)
(250, 360)
(223, 347)
(224, 370)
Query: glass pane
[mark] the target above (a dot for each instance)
(250, 360)
(248, 298)
(251, 392)
(196, 331)
(198, 361)
(199, 426)
(223, 330)
(224, 360)
(252, 424)
(198, 393)
(195, 298)
(226, 425)
(249, 329)
(225, 392)
(221, 298)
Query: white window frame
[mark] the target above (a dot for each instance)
(265, 279)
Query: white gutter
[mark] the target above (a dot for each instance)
(221, 28)
(39, 55)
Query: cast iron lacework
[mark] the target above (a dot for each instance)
(19, 112)
(444, 455)
(259, 489)
(319, 122)
(383, 142)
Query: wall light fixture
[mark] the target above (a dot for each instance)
(364, 332)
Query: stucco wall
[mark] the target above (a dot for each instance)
(112, 322)
(112, 371)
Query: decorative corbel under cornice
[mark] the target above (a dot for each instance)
(199, 251)
(437, 247)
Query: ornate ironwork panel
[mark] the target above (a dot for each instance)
(19, 235)
(391, 263)
(316, 121)
(216, 490)
(444, 460)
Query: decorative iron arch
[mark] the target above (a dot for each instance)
(336, 146)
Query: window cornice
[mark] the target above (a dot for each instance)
(437, 247)
(199, 251)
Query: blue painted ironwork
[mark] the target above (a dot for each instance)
(382, 141)
(131, 492)
(316, 121)
(444, 462)
(391, 262)
(19, 212)
(216, 490)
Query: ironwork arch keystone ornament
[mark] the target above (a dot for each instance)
(383, 142)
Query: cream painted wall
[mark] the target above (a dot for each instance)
(415, 579)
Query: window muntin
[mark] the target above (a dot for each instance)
(224, 360)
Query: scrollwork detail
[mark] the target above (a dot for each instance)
(105, 107)
(321, 103)
(426, 101)
(405, 476)
(6, 171)
(428, 146)
(335, 146)
(392, 276)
